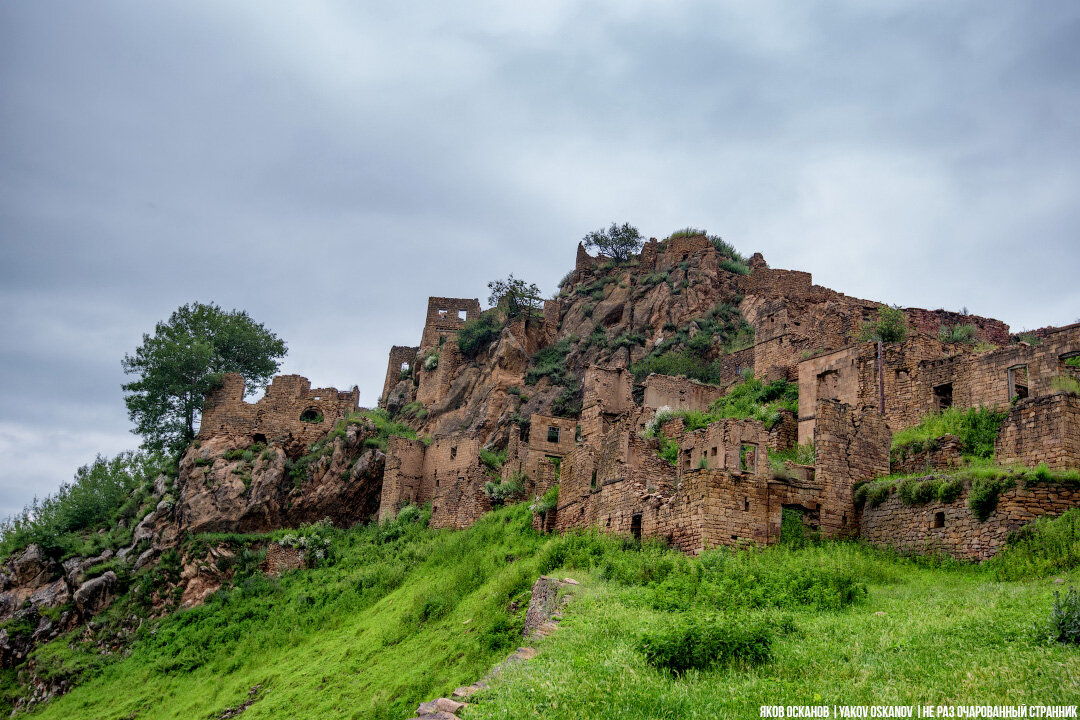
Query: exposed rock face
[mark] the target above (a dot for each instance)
(96, 594)
(219, 495)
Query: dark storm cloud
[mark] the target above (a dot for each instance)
(327, 166)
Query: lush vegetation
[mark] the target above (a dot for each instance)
(891, 326)
(964, 334)
(478, 334)
(694, 351)
(550, 362)
(977, 429)
(750, 399)
(184, 360)
(516, 297)
(398, 614)
(103, 495)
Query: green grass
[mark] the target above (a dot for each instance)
(977, 429)
(407, 614)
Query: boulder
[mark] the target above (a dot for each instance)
(95, 595)
(32, 569)
(52, 595)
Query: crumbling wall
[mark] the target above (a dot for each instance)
(1042, 430)
(445, 316)
(938, 454)
(607, 394)
(275, 417)
(852, 445)
(679, 393)
(402, 475)
(401, 361)
(728, 444)
(549, 437)
(833, 376)
(929, 322)
(953, 529)
(434, 385)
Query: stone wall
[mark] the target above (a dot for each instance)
(852, 445)
(929, 322)
(937, 454)
(445, 316)
(402, 475)
(434, 385)
(401, 357)
(679, 393)
(607, 394)
(953, 529)
(275, 417)
(1042, 430)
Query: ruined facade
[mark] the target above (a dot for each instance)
(721, 488)
(289, 413)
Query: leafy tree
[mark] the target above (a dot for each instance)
(186, 358)
(518, 297)
(618, 242)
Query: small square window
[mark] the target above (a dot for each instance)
(453, 452)
(553, 434)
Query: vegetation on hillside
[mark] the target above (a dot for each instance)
(403, 614)
(891, 326)
(103, 495)
(184, 360)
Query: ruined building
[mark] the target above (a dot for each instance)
(556, 395)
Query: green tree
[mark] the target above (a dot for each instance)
(186, 358)
(516, 296)
(618, 242)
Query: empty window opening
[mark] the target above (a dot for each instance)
(843, 520)
(713, 451)
(453, 452)
(258, 438)
(939, 519)
(746, 504)
(1018, 382)
(635, 526)
(436, 482)
(311, 415)
(405, 367)
(943, 396)
(734, 537)
(592, 484)
(577, 434)
(609, 521)
(1070, 365)
(748, 458)
(553, 434)
(557, 462)
(461, 480)
(442, 312)
(461, 315)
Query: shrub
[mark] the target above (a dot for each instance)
(725, 248)
(735, 266)
(512, 488)
(550, 362)
(1064, 624)
(687, 232)
(977, 429)
(984, 494)
(949, 489)
(1044, 546)
(1065, 383)
(100, 495)
(966, 334)
(627, 339)
(431, 360)
(478, 334)
(547, 502)
(699, 643)
(568, 402)
(493, 459)
(891, 326)
(872, 493)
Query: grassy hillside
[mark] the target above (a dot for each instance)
(404, 614)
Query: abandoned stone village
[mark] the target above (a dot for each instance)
(586, 407)
(560, 398)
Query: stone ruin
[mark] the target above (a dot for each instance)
(722, 490)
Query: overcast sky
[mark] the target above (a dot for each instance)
(328, 165)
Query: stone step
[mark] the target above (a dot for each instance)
(439, 705)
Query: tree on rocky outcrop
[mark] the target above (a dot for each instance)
(516, 296)
(186, 358)
(618, 242)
